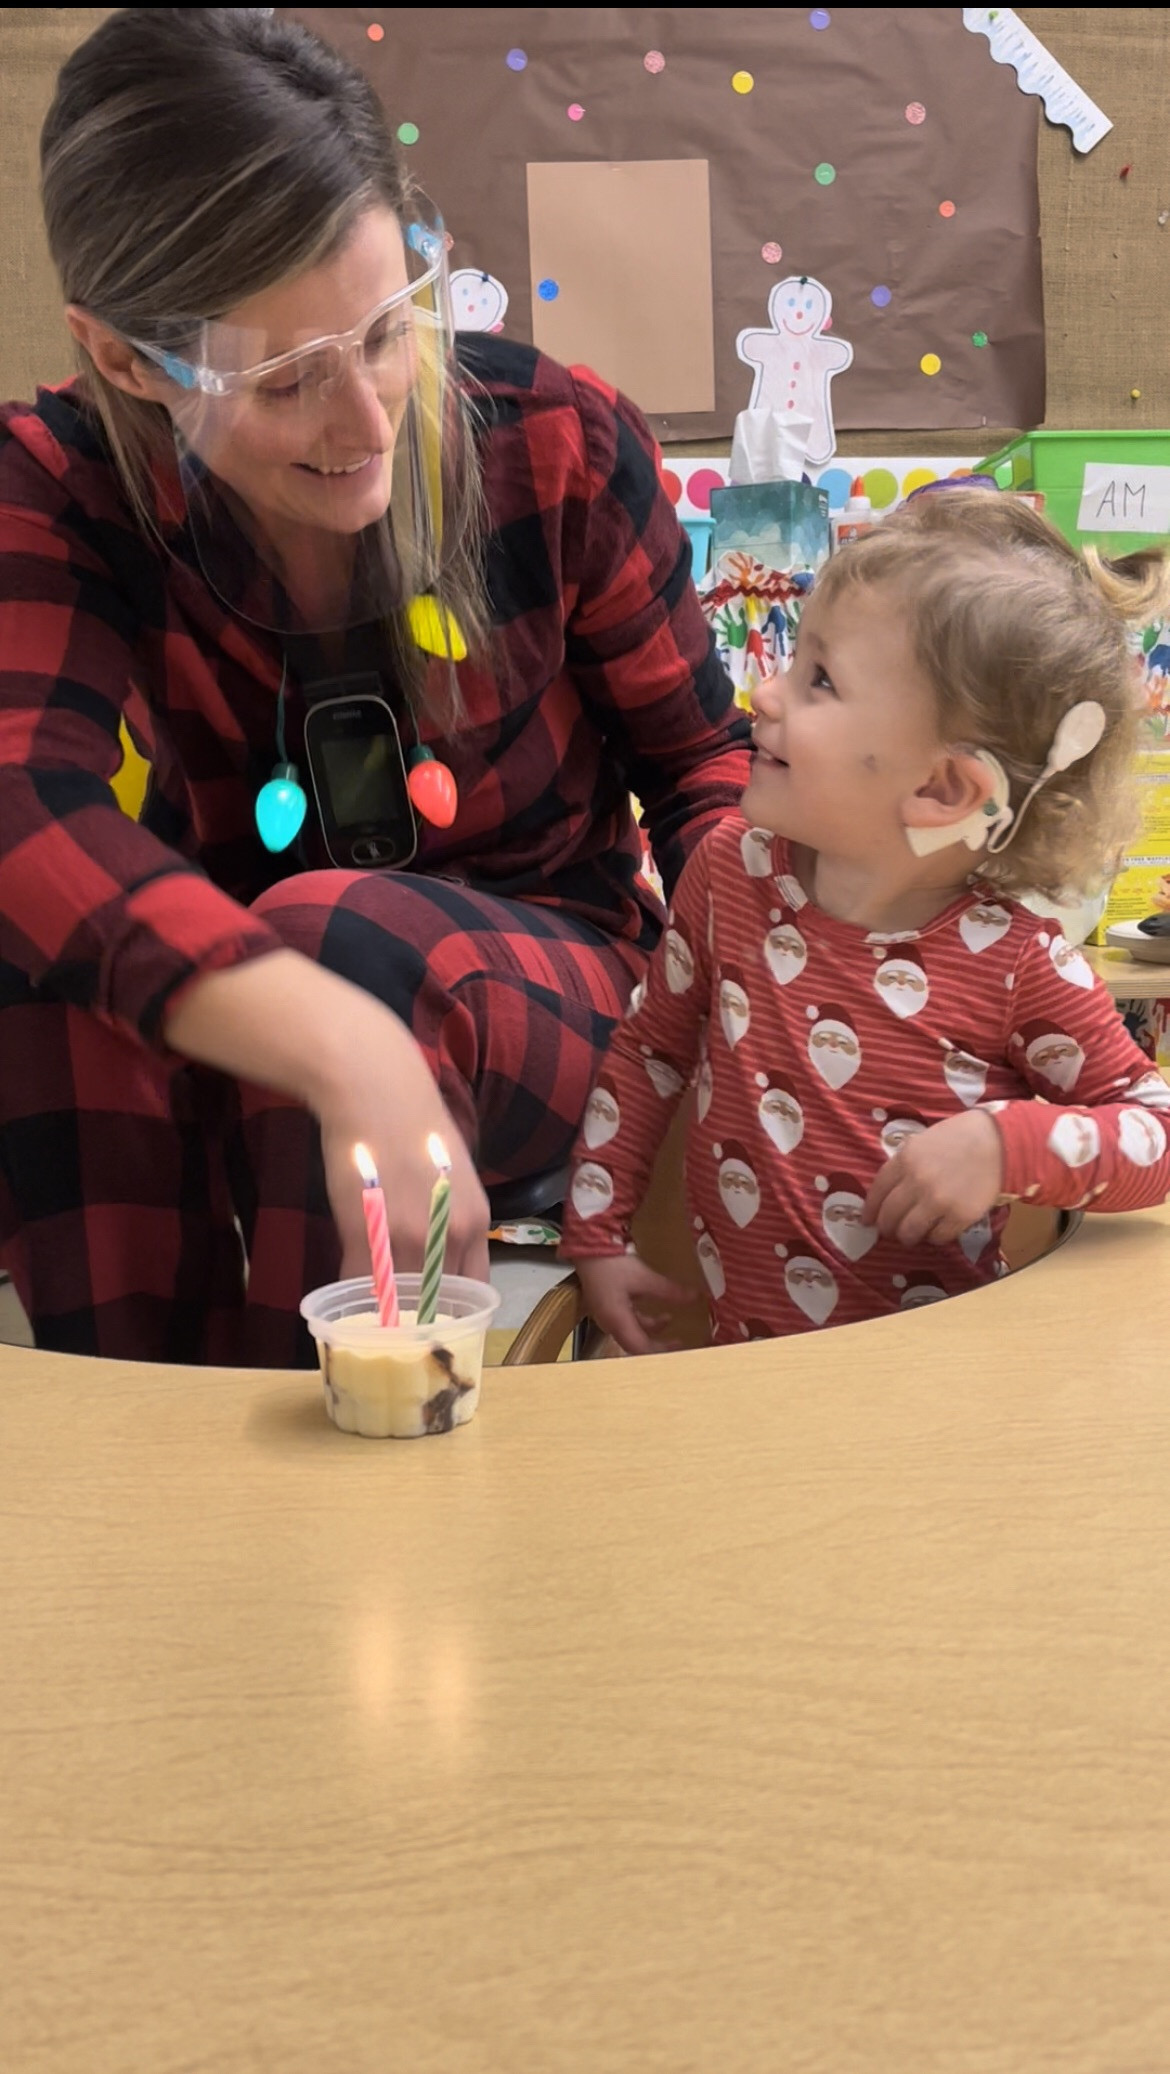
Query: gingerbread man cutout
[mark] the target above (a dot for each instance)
(795, 361)
(478, 301)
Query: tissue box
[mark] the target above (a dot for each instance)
(784, 525)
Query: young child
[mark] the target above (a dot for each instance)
(848, 977)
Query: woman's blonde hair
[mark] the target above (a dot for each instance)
(193, 157)
(1012, 626)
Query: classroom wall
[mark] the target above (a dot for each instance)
(1106, 257)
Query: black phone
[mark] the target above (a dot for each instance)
(354, 753)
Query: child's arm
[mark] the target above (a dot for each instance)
(1099, 1139)
(647, 1069)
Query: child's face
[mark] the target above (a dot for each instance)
(847, 735)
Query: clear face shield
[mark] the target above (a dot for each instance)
(312, 459)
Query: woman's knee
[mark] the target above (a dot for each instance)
(367, 927)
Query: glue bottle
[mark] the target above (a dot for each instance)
(857, 516)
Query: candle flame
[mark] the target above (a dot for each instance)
(438, 1153)
(364, 1162)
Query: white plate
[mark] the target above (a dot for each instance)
(1148, 950)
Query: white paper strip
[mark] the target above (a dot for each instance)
(1038, 73)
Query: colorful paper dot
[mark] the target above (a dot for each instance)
(375, 32)
(516, 60)
(881, 298)
(881, 487)
(917, 480)
(654, 61)
(946, 209)
(700, 486)
(915, 113)
(978, 338)
(820, 18)
(407, 133)
(836, 484)
(824, 175)
(548, 290)
(574, 111)
(742, 82)
(930, 363)
(771, 252)
(672, 484)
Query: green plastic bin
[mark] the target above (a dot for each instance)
(1055, 463)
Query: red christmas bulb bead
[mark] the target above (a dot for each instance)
(433, 791)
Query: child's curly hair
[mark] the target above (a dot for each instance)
(1012, 626)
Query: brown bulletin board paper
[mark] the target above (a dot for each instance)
(579, 92)
(627, 246)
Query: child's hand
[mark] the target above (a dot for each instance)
(938, 1182)
(630, 1302)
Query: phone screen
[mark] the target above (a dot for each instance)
(359, 773)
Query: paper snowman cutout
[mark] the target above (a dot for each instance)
(795, 360)
(478, 301)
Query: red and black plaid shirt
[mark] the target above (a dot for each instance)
(602, 680)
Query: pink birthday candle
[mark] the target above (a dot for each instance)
(378, 1231)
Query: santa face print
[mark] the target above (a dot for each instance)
(665, 1079)
(739, 1189)
(1056, 1058)
(785, 953)
(680, 963)
(635, 1001)
(1069, 965)
(782, 1118)
(602, 1117)
(982, 926)
(1141, 1137)
(841, 1221)
(901, 983)
(1151, 1091)
(834, 1050)
(896, 1130)
(592, 1189)
(791, 891)
(811, 1287)
(965, 1076)
(976, 1239)
(755, 847)
(1075, 1138)
(734, 1011)
(712, 1266)
(921, 1293)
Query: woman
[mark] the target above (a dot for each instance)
(274, 508)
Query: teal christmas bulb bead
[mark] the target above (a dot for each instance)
(280, 808)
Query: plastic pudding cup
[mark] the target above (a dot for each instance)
(400, 1382)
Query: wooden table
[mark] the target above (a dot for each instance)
(1125, 978)
(799, 1709)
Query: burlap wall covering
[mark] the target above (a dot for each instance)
(1106, 257)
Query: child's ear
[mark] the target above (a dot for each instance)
(957, 787)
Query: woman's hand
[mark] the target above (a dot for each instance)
(395, 1127)
(287, 1024)
(938, 1182)
(631, 1302)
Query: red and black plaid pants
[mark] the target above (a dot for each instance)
(131, 1188)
